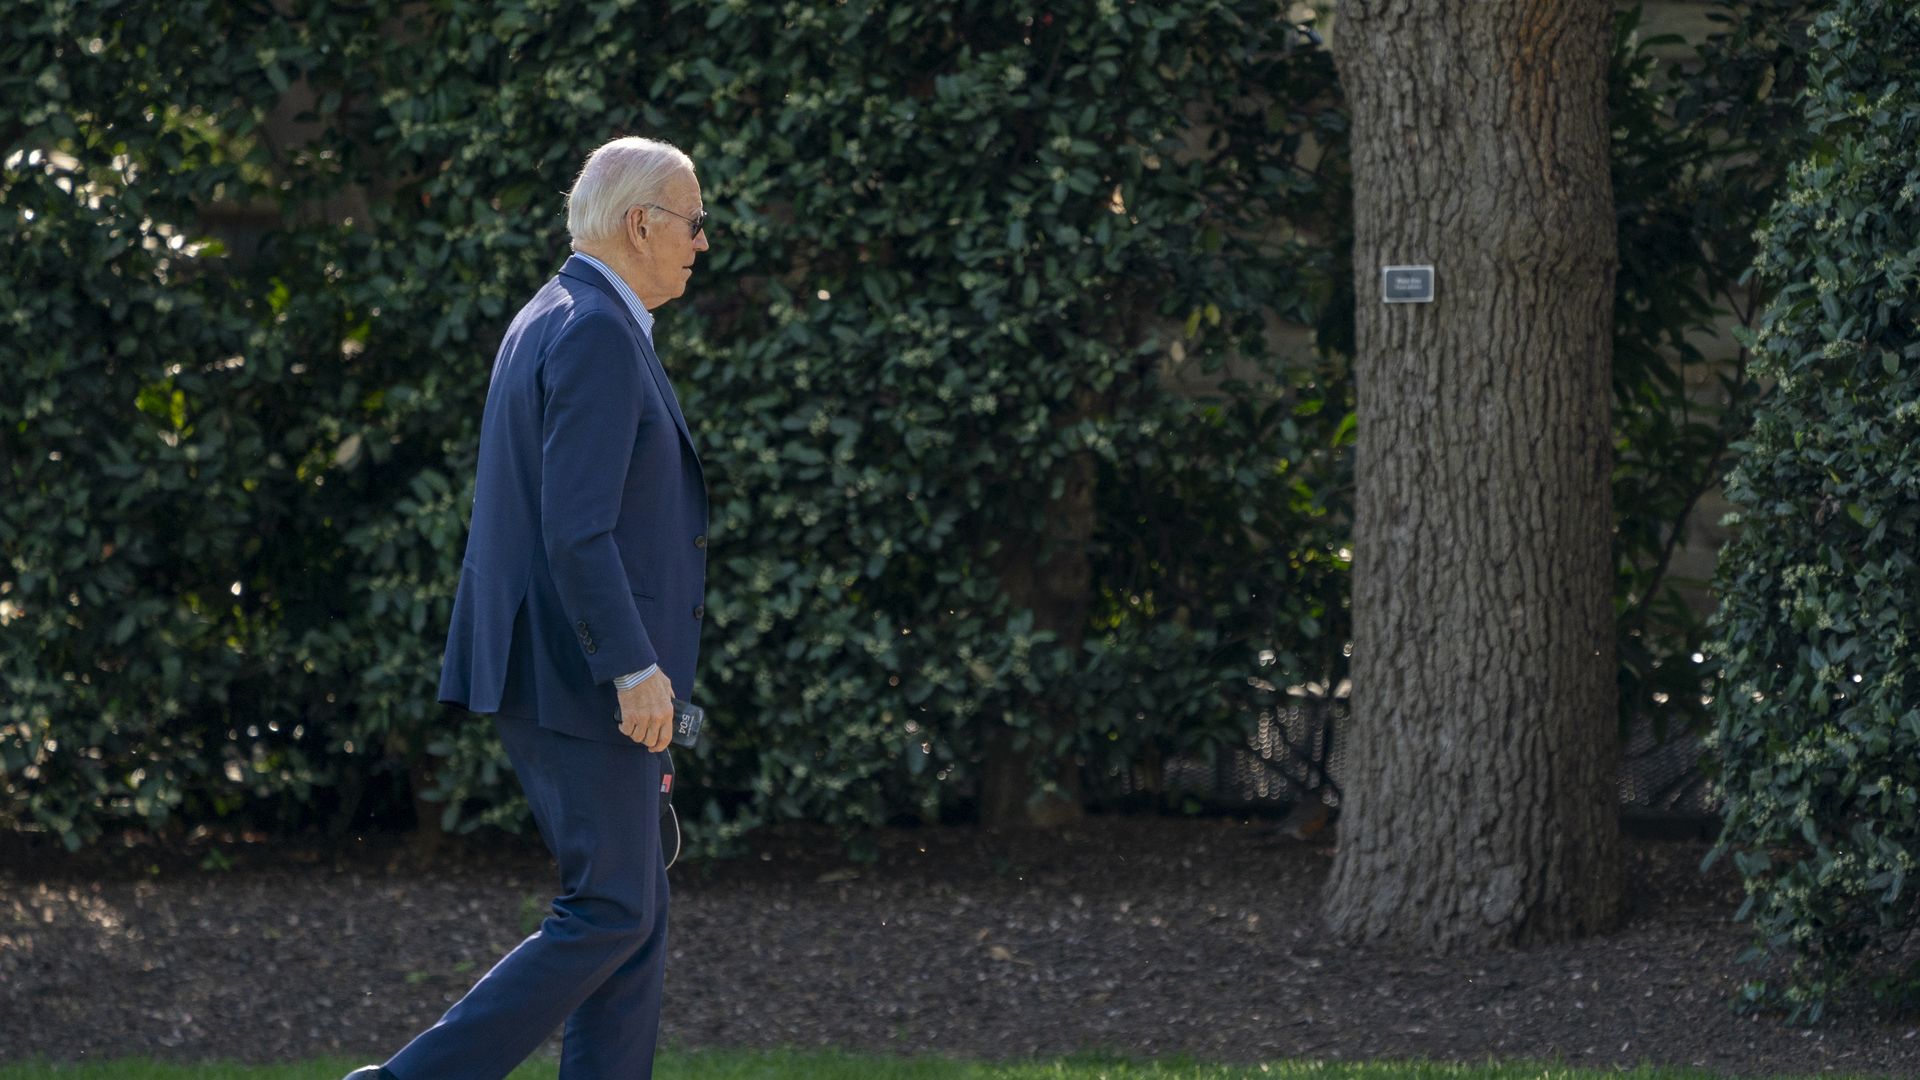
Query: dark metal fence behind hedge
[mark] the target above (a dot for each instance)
(1299, 744)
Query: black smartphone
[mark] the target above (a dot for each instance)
(687, 721)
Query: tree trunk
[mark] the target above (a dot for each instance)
(1481, 807)
(1052, 576)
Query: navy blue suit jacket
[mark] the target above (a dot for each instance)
(587, 556)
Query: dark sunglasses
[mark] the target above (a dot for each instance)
(698, 221)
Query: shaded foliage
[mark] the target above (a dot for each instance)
(258, 265)
(954, 247)
(1818, 722)
(1698, 150)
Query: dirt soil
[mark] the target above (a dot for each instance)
(1134, 936)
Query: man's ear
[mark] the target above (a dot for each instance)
(637, 223)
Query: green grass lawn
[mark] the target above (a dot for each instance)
(789, 1065)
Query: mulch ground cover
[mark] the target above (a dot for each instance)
(1133, 936)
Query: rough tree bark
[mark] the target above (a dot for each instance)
(1480, 808)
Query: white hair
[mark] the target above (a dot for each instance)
(617, 177)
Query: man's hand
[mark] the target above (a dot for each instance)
(646, 712)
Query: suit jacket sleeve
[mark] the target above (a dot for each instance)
(593, 396)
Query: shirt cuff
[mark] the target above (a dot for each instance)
(628, 682)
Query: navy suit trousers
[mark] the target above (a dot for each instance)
(598, 961)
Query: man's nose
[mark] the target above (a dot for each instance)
(700, 240)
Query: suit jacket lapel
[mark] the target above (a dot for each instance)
(584, 271)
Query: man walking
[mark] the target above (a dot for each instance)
(578, 615)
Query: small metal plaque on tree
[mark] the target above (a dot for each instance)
(1406, 284)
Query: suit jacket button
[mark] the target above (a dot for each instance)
(700, 542)
(591, 648)
(700, 612)
(582, 627)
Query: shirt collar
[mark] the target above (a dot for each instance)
(640, 313)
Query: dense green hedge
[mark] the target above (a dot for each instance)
(956, 250)
(257, 268)
(1819, 715)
